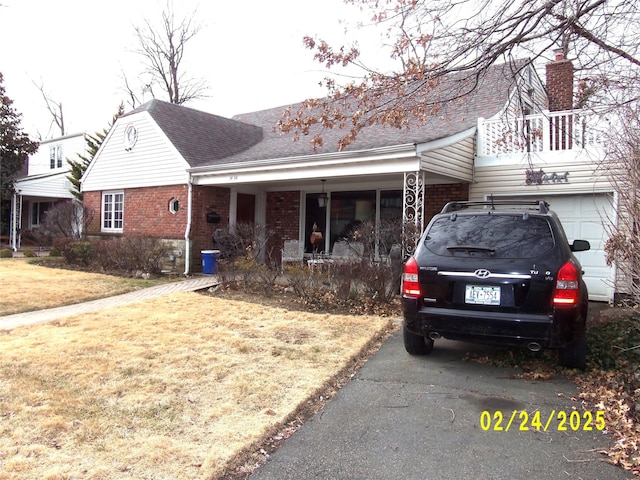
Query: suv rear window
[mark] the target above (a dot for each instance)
(490, 235)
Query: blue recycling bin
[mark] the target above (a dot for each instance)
(210, 261)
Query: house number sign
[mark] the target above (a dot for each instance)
(539, 177)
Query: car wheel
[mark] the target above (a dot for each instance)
(416, 344)
(574, 355)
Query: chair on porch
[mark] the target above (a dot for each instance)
(292, 253)
(347, 252)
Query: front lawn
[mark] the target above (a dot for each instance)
(175, 387)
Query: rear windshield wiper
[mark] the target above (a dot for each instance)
(471, 248)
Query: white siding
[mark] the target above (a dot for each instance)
(71, 145)
(151, 162)
(455, 161)
(509, 179)
(51, 186)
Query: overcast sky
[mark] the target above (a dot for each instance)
(250, 52)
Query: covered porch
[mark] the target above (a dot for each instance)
(33, 196)
(335, 192)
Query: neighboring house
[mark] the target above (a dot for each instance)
(178, 173)
(44, 185)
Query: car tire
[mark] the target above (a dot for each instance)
(416, 344)
(574, 355)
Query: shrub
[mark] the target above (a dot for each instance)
(54, 252)
(102, 255)
(83, 252)
(6, 253)
(68, 219)
(266, 275)
(342, 278)
(135, 253)
(244, 239)
(29, 254)
(308, 284)
(245, 259)
(64, 246)
(378, 282)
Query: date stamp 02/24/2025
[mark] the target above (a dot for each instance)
(559, 420)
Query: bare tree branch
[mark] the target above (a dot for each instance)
(133, 101)
(55, 109)
(163, 49)
(427, 40)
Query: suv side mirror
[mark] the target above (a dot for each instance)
(580, 246)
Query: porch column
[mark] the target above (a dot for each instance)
(412, 210)
(15, 221)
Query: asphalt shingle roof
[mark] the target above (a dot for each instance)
(207, 140)
(201, 138)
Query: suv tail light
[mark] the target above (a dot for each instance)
(410, 284)
(567, 291)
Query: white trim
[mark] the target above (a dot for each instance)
(233, 207)
(112, 216)
(309, 160)
(444, 142)
(65, 137)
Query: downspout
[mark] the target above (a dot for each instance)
(187, 232)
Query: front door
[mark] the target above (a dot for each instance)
(246, 208)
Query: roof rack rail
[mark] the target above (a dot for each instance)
(540, 205)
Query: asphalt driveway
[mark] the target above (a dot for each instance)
(404, 417)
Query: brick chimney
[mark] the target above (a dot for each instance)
(560, 83)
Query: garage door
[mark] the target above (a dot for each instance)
(583, 217)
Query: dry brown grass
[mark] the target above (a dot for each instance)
(26, 287)
(170, 388)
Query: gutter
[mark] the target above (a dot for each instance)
(187, 232)
(303, 160)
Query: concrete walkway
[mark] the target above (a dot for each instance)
(9, 322)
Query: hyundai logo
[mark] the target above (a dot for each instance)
(482, 273)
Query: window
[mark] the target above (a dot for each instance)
(391, 205)
(495, 236)
(174, 205)
(348, 211)
(55, 156)
(38, 209)
(112, 211)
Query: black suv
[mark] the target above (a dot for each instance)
(499, 272)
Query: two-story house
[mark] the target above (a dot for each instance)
(45, 184)
(179, 174)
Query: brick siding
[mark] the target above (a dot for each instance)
(283, 218)
(208, 199)
(146, 212)
(560, 85)
(437, 196)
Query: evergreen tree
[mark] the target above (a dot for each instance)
(79, 166)
(15, 148)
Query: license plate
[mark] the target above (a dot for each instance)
(482, 295)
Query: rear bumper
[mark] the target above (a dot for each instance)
(510, 329)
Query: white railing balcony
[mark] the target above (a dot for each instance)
(543, 132)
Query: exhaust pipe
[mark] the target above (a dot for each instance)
(434, 335)
(534, 347)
